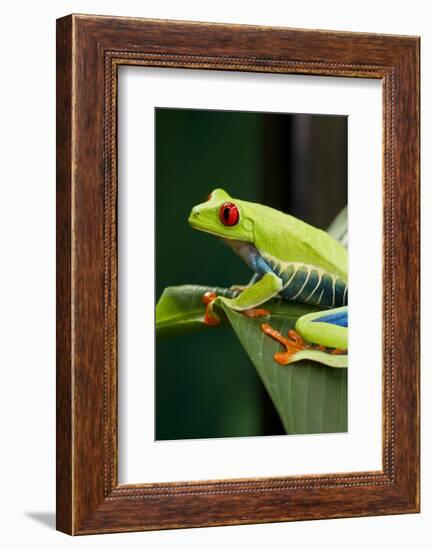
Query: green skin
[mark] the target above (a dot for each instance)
(285, 239)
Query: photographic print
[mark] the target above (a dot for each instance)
(251, 274)
(203, 262)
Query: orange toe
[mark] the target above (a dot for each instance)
(293, 343)
(209, 318)
(256, 313)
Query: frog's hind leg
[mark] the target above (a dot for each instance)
(324, 331)
(326, 328)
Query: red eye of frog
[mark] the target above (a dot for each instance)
(229, 214)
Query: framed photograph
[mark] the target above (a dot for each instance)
(237, 274)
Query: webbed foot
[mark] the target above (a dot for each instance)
(293, 343)
(212, 319)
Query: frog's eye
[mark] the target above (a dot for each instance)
(209, 197)
(229, 214)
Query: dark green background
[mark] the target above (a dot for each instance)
(205, 384)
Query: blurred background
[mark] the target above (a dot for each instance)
(205, 384)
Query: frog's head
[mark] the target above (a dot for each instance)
(223, 216)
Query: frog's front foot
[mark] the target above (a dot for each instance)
(211, 318)
(293, 343)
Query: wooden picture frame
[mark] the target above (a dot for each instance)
(89, 51)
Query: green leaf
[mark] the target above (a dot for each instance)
(309, 397)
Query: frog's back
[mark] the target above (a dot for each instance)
(289, 240)
(311, 264)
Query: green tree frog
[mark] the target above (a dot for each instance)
(290, 259)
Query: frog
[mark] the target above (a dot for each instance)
(291, 260)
